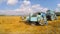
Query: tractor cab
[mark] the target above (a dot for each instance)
(50, 15)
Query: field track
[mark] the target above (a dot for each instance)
(15, 25)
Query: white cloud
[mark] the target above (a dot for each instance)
(58, 5)
(12, 2)
(58, 8)
(26, 2)
(38, 8)
(44, 10)
(25, 8)
(1, 1)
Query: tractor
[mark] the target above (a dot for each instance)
(51, 15)
(37, 18)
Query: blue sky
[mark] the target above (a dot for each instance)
(50, 4)
(25, 7)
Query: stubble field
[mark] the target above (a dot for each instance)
(15, 25)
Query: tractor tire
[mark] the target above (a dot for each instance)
(52, 18)
(41, 22)
(48, 17)
(33, 23)
(55, 17)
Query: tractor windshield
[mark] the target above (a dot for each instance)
(39, 13)
(34, 15)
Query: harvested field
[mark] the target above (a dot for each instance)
(15, 25)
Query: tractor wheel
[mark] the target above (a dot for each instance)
(33, 23)
(52, 18)
(55, 17)
(48, 17)
(41, 22)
